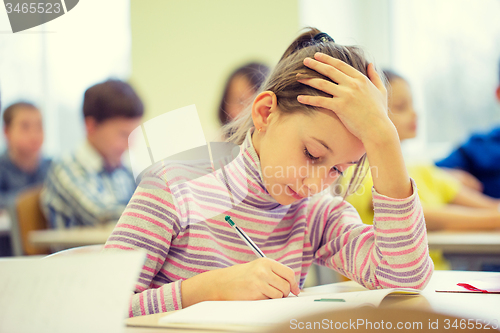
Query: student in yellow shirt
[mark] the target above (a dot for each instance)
(447, 203)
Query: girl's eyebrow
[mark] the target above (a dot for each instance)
(322, 142)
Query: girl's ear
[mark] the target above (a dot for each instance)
(263, 106)
(498, 93)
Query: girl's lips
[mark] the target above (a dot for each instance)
(295, 194)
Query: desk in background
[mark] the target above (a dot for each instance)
(472, 251)
(67, 238)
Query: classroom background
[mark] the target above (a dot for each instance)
(178, 53)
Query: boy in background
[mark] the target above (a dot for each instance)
(21, 165)
(93, 186)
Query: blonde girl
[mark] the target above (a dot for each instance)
(322, 110)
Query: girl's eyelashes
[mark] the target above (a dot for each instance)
(314, 159)
(337, 170)
(309, 156)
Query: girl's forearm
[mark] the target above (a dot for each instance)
(390, 177)
(197, 289)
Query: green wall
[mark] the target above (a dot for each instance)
(183, 50)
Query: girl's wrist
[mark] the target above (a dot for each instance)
(381, 136)
(194, 289)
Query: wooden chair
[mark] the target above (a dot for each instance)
(27, 216)
(88, 249)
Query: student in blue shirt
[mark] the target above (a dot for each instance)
(480, 156)
(93, 185)
(21, 165)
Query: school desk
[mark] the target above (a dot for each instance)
(73, 237)
(478, 307)
(467, 250)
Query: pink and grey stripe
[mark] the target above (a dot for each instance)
(322, 229)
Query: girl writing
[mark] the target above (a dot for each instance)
(322, 110)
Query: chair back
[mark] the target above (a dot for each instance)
(29, 217)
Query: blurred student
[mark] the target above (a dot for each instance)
(22, 164)
(480, 156)
(446, 202)
(93, 186)
(240, 87)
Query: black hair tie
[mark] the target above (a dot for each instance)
(323, 37)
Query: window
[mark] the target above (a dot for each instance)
(52, 65)
(448, 50)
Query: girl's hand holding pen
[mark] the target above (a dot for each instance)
(260, 279)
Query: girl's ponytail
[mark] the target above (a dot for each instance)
(304, 40)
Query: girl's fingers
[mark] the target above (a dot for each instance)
(280, 284)
(323, 85)
(271, 292)
(319, 101)
(375, 78)
(327, 70)
(338, 64)
(286, 274)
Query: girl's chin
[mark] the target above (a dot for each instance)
(287, 198)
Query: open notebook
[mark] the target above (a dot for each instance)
(269, 312)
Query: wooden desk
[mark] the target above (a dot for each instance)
(468, 306)
(71, 237)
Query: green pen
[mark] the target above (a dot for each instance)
(245, 238)
(330, 300)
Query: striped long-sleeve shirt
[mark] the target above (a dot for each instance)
(181, 226)
(79, 191)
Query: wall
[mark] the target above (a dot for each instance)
(182, 51)
(367, 23)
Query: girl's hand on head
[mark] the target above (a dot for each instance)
(359, 101)
(262, 278)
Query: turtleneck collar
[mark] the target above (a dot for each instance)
(245, 180)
